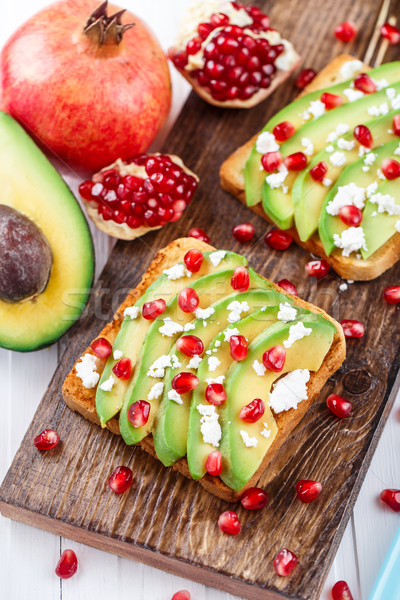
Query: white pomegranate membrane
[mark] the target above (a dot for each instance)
(151, 201)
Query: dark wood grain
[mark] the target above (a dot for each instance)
(165, 519)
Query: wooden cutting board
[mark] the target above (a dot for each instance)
(166, 520)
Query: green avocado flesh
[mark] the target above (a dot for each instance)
(31, 186)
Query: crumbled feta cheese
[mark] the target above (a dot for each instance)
(377, 111)
(345, 144)
(210, 427)
(380, 84)
(340, 129)
(350, 240)
(175, 364)
(386, 203)
(308, 146)
(343, 287)
(296, 332)
(350, 68)
(219, 379)
(397, 226)
(155, 391)
(289, 391)
(117, 354)
(371, 189)
(204, 313)
(276, 180)
(338, 159)
(330, 148)
(370, 158)
(213, 363)
(397, 151)
(365, 169)
(259, 368)
(217, 343)
(316, 108)
(194, 362)
(132, 312)
(266, 432)
(86, 371)
(390, 93)
(170, 327)
(352, 95)
(173, 395)
(177, 272)
(327, 182)
(380, 174)
(236, 309)
(286, 312)
(108, 384)
(266, 142)
(350, 194)
(157, 369)
(228, 333)
(362, 151)
(249, 442)
(216, 257)
(374, 214)
(189, 327)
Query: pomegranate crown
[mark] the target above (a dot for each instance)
(104, 29)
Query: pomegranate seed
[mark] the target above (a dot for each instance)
(215, 394)
(364, 83)
(339, 406)
(252, 412)
(271, 161)
(243, 232)
(296, 161)
(288, 286)
(181, 595)
(284, 563)
(238, 347)
(392, 294)
(317, 268)
(138, 413)
(331, 100)
(199, 234)
(319, 171)
(283, 131)
(184, 382)
(363, 136)
(190, 345)
(101, 347)
(67, 564)
(120, 479)
(254, 498)
(396, 124)
(188, 300)
(304, 78)
(214, 463)
(341, 591)
(240, 279)
(307, 490)
(391, 498)
(152, 310)
(228, 522)
(391, 33)
(85, 190)
(193, 260)
(123, 368)
(391, 168)
(46, 440)
(352, 328)
(278, 240)
(350, 215)
(274, 358)
(346, 31)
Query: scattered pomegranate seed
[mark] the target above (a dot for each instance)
(199, 234)
(392, 294)
(46, 440)
(288, 286)
(277, 239)
(190, 345)
(350, 215)
(152, 310)
(188, 300)
(274, 358)
(271, 161)
(331, 100)
(339, 406)
(215, 394)
(304, 78)
(184, 382)
(101, 347)
(238, 347)
(181, 595)
(228, 522)
(317, 268)
(390, 168)
(138, 413)
(319, 171)
(120, 479)
(396, 124)
(341, 591)
(363, 136)
(364, 83)
(283, 131)
(193, 260)
(240, 279)
(391, 33)
(284, 563)
(307, 490)
(214, 463)
(252, 412)
(352, 328)
(346, 31)
(243, 232)
(67, 564)
(391, 498)
(123, 368)
(296, 161)
(254, 498)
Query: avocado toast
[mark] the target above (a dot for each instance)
(264, 315)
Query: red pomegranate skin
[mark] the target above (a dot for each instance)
(88, 104)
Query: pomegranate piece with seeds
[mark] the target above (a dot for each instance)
(101, 347)
(346, 31)
(283, 131)
(363, 136)
(123, 368)
(391, 498)
(181, 595)
(350, 215)
(46, 440)
(340, 407)
(129, 198)
(331, 100)
(254, 498)
(252, 412)
(317, 268)
(284, 563)
(304, 78)
(391, 33)
(274, 358)
(228, 522)
(67, 565)
(155, 308)
(215, 394)
(138, 413)
(190, 345)
(214, 463)
(278, 240)
(392, 294)
(390, 168)
(238, 347)
(288, 286)
(184, 382)
(307, 490)
(120, 479)
(296, 161)
(240, 280)
(319, 171)
(188, 300)
(199, 234)
(364, 83)
(193, 260)
(341, 591)
(271, 161)
(352, 328)
(243, 232)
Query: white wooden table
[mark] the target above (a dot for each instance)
(28, 556)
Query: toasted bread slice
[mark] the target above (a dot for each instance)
(83, 400)
(232, 180)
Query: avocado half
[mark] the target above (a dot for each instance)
(42, 205)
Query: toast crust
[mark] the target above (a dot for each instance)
(232, 180)
(83, 400)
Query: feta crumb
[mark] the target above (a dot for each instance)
(380, 174)
(173, 395)
(157, 369)
(374, 214)
(286, 312)
(352, 95)
(350, 240)
(217, 343)
(317, 108)
(228, 333)
(219, 379)
(216, 257)
(155, 391)
(276, 180)
(370, 158)
(236, 309)
(365, 169)
(259, 368)
(86, 371)
(204, 313)
(210, 427)
(308, 146)
(177, 272)
(194, 362)
(329, 148)
(117, 354)
(350, 68)
(377, 111)
(266, 432)
(386, 203)
(296, 332)
(327, 182)
(189, 327)
(170, 327)
(337, 159)
(213, 363)
(343, 287)
(371, 189)
(175, 364)
(132, 312)
(249, 442)
(350, 194)
(390, 93)
(362, 151)
(289, 391)
(345, 144)
(397, 226)
(397, 151)
(108, 384)
(380, 84)
(266, 142)
(340, 129)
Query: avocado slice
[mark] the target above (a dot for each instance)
(133, 331)
(243, 385)
(308, 195)
(254, 176)
(32, 187)
(379, 227)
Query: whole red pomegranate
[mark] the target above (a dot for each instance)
(89, 86)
